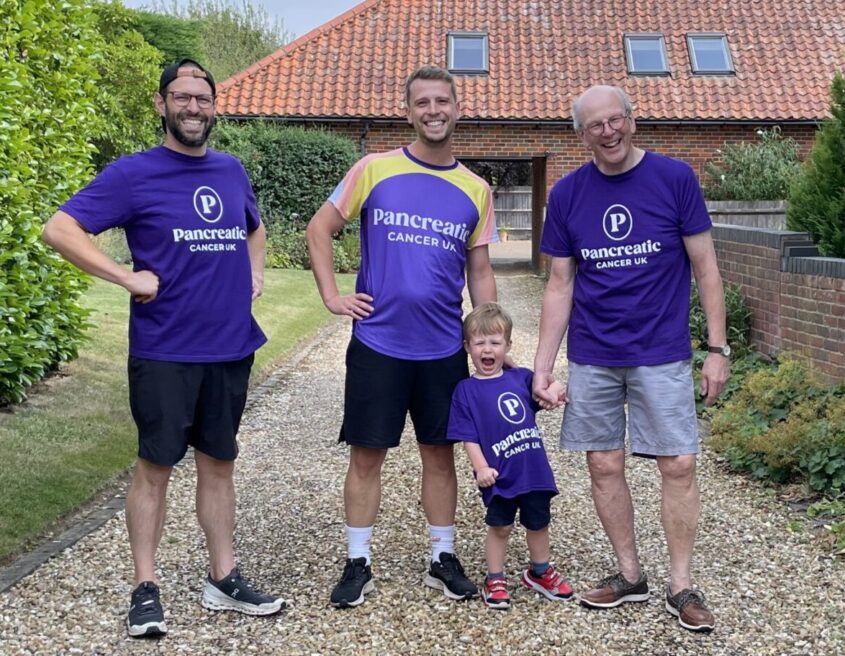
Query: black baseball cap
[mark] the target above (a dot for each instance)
(172, 72)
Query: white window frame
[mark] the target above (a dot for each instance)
(709, 36)
(474, 36)
(645, 36)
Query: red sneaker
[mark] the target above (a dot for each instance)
(496, 594)
(551, 584)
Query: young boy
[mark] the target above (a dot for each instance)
(493, 415)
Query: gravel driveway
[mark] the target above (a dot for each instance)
(773, 591)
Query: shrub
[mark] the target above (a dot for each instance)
(47, 91)
(817, 197)
(783, 426)
(293, 172)
(738, 318)
(755, 171)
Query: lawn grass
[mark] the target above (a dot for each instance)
(75, 435)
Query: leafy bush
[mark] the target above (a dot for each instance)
(738, 318)
(756, 171)
(781, 425)
(47, 98)
(128, 70)
(817, 197)
(293, 172)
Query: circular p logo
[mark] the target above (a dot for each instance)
(511, 408)
(208, 205)
(617, 222)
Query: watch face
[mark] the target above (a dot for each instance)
(726, 350)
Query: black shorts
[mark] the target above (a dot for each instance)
(177, 404)
(381, 390)
(534, 510)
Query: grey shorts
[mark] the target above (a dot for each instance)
(661, 409)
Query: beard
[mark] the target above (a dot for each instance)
(172, 121)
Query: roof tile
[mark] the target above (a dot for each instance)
(543, 53)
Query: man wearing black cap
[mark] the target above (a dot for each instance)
(197, 245)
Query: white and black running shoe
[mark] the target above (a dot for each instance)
(146, 616)
(448, 575)
(234, 592)
(355, 582)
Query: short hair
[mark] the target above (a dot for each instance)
(627, 107)
(429, 72)
(488, 319)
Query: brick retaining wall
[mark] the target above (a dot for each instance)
(797, 298)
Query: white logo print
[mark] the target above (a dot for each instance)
(511, 408)
(617, 222)
(208, 205)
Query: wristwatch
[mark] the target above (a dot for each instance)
(721, 350)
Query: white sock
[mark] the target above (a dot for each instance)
(442, 540)
(358, 542)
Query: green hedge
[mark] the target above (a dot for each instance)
(293, 172)
(47, 87)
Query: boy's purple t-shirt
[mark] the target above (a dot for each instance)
(632, 282)
(498, 414)
(186, 220)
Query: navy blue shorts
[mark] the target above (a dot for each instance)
(181, 404)
(382, 390)
(534, 510)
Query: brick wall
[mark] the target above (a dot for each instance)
(560, 144)
(798, 302)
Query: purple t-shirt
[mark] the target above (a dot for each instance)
(498, 414)
(418, 222)
(186, 220)
(632, 282)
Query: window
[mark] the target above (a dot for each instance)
(467, 52)
(708, 53)
(646, 54)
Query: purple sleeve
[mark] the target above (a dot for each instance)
(461, 426)
(694, 216)
(105, 203)
(555, 240)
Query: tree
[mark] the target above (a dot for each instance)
(232, 37)
(817, 197)
(47, 98)
(128, 69)
(177, 38)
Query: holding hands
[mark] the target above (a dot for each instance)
(486, 476)
(548, 392)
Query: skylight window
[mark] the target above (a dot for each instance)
(709, 53)
(467, 52)
(646, 54)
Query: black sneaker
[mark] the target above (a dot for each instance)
(234, 592)
(355, 582)
(146, 616)
(448, 576)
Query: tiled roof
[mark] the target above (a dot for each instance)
(542, 53)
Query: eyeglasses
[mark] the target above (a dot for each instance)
(615, 122)
(180, 99)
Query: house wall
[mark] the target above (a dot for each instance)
(797, 303)
(565, 152)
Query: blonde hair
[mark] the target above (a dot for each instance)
(488, 319)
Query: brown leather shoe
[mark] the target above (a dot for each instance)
(616, 590)
(688, 606)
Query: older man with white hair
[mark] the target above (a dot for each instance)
(625, 231)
